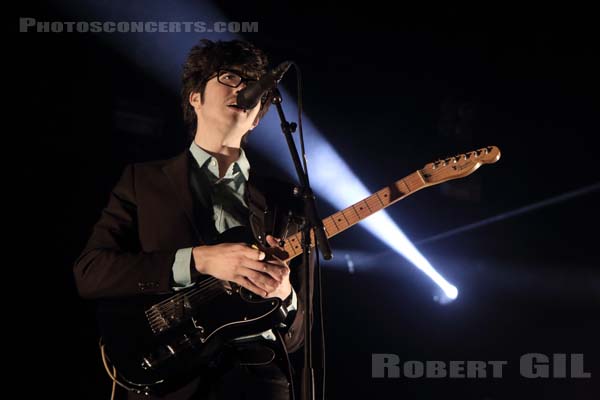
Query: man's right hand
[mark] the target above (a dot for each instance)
(239, 263)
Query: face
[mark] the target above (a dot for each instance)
(217, 114)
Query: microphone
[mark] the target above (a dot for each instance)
(250, 96)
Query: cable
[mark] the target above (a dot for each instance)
(322, 320)
(113, 375)
(114, 384)
(289, 362)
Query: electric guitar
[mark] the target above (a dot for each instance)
(157, 343)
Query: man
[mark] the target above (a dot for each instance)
(157, 233)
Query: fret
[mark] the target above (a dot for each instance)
(435, 173)
(361, 210)
(294, 241)
(353, 208)
(330, 218)
(374, 204)
(384, 195)
(402, 186)
(379, 198)
(351, 216)
(366, 202)
(340, 220)
(414, 182)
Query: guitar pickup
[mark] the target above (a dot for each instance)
(166, 315)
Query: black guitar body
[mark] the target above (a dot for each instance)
(158, 343)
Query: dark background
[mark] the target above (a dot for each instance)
(391, 90)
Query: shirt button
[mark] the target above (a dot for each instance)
(213, 162)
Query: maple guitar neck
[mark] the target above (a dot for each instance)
(432, 174)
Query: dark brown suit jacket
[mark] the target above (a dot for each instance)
(149, 216)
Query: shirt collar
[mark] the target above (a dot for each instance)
(202, 157)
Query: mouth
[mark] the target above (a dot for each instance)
(237, 108)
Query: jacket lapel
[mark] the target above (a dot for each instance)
(178, 174)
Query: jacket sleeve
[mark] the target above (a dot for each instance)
(112, 263)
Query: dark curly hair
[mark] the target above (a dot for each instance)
(206, 58)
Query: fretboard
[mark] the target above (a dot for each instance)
(352, 215)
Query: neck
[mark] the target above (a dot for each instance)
(225, 151)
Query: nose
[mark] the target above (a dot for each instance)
(241, 87)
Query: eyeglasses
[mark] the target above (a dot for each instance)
(234, 79)
(231, 78)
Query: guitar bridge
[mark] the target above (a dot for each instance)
(168, 314)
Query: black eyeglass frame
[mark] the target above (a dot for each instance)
(221, 71)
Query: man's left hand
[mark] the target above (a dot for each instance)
(284, 289)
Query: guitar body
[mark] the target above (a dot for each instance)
(159, 343)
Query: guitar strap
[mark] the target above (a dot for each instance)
(272, 206)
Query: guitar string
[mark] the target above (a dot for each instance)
(155, 312)
(206, 292)
(203, 290)
(206, 284)
(192, 295)
(412, 179)
(409, 180)
(207, 296)
(209, 284)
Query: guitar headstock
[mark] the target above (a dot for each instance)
(459, 166)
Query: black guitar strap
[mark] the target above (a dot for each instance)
(271, 203)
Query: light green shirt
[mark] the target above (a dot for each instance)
(226, 195)
(229, 208)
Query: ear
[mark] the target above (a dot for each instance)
(195, 99)
(255, 123)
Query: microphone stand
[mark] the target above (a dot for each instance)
(312, 222)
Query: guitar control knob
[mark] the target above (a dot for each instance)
(147, 364)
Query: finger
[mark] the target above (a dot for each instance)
(281, 267)
(273, 270)
(272, 241)
(253, 253)
(285, 272)
(277, 260)
(262, 278)
(263, 281)
(279, 251)
(248, 284)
